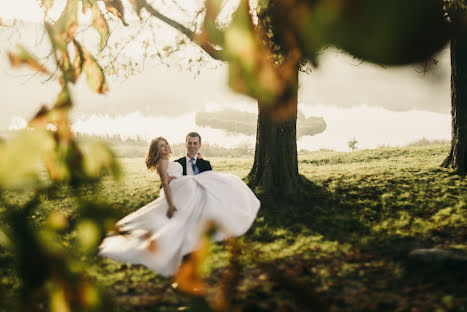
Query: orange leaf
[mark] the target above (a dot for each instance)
(188, 278)
(116, 8)
(78, 61)
(24, 57)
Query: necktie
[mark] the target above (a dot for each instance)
(193, 165)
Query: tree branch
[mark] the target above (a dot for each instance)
(198, 39)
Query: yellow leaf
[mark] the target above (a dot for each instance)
(88, 234)
(98, 159)
(22, 158)
(58, 302)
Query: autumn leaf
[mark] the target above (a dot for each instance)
(251, 67)
(64, 29)
(78, 60)
(138, 5)
(98, 21)
(116, 8)
(188, 278)
(84, 61)
(95, 77)
(24, 57)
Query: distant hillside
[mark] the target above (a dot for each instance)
(234, 121)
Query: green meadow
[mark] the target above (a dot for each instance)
(343, 247)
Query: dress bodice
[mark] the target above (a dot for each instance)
(174, 169)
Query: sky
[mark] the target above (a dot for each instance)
(376, 104)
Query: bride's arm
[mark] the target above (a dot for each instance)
(162, 170)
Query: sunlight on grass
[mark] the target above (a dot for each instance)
(368, 210)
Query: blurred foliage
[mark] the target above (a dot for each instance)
(234, 121)
(46, 160)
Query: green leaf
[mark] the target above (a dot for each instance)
(88, 234)
(374, 30)
(22, 159)
(210, 27)
(95, 77)
(64, 29)
(99, 159)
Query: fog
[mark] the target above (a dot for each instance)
(378, 105)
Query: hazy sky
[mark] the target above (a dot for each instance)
(339, 83)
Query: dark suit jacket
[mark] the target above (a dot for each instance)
(203, 165)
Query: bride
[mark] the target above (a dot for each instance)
(159, 234)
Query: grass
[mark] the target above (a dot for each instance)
(347, 243)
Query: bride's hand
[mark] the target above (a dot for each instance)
(171, 178)
(170, 211)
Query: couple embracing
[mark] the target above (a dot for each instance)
(159, 234)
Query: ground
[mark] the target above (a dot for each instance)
(343, 248)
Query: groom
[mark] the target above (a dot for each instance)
(196, 164)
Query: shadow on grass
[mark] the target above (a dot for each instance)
(310, 208)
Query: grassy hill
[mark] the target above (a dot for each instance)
(344, 248)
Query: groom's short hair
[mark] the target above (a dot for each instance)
(193, 135)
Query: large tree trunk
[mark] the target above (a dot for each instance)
(275, 168)
(457, 158)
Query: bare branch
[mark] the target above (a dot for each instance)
(206, 46)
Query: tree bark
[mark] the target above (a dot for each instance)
(275, 168)
(457, 157)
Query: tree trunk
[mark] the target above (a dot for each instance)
(275, 168)
(457, 158)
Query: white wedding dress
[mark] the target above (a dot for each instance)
(148, 237)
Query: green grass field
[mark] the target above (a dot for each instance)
(344, 248)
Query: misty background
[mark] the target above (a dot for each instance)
(376, 105)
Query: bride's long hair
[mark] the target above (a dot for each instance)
(152, 156)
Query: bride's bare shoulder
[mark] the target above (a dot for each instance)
(162, 165)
